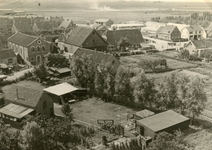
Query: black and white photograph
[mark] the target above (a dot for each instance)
(105, 74)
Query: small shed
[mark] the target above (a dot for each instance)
(142, 114)
(64, 92)
(167, 121)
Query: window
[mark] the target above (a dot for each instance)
(10, 61)
(43, 48)
(39, 42)
(33, 49)
(199, 31)
(38, 48)
(190, 32)
(32, 59)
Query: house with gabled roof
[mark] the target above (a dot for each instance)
(67, 25)
(104, 22)
(98, 57)
(198, 46)
(84, 37)
(100, 28)
(30, 48)
(24, 27)
(195, 32)
(20, 101)
(168, 32)
(7, 56)
(114, 37)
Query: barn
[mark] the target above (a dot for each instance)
(168, 121)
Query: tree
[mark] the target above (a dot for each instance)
(144, 90)
(10, 138)
(123, 87)
(57, 60)
(167, 92)
(99, 83)
(167, 141)
(33, 137)
(123, 43)
(41, 72)
(84, 70)
(109, 86)
(184, 54)
(67, 111)
(195, 98)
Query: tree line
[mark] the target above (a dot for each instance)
(178, 92)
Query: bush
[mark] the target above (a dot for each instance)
(194, 57)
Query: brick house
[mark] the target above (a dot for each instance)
(83, 37)
(171, 33)
(30, 48)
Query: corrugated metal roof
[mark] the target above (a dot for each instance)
(162, 120)
(61, 89)
(16, 111)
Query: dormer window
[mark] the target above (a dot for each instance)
(43, 48)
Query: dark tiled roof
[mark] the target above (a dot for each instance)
(79, 35)
(46, 25)
(98, 57)
(23, 27)
(22, 20)
(26, 96)
(166, 29)
(66, 24)
(22, 39)
(194, 28)
(162, 120)
(3, 28)
(206, 43)
(8, 21)
(133, 35)
(7, 53)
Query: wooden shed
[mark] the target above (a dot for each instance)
(167, 121)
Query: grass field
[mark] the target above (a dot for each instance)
(93, 109)
(132, 61)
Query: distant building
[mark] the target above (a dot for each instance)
(7, 56)
(85, 37)
(100, 28)
(57, 19)
(152, 27)
(127, 26)
(23, 27)
(171, 33)
(198, 46)
(104, 22)
(21, 101)
(7, 12)
(195, 32)
(168, 121)
(44, 26)
(67, 25)
(30, 48)
(114, 37)
(8, 22)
